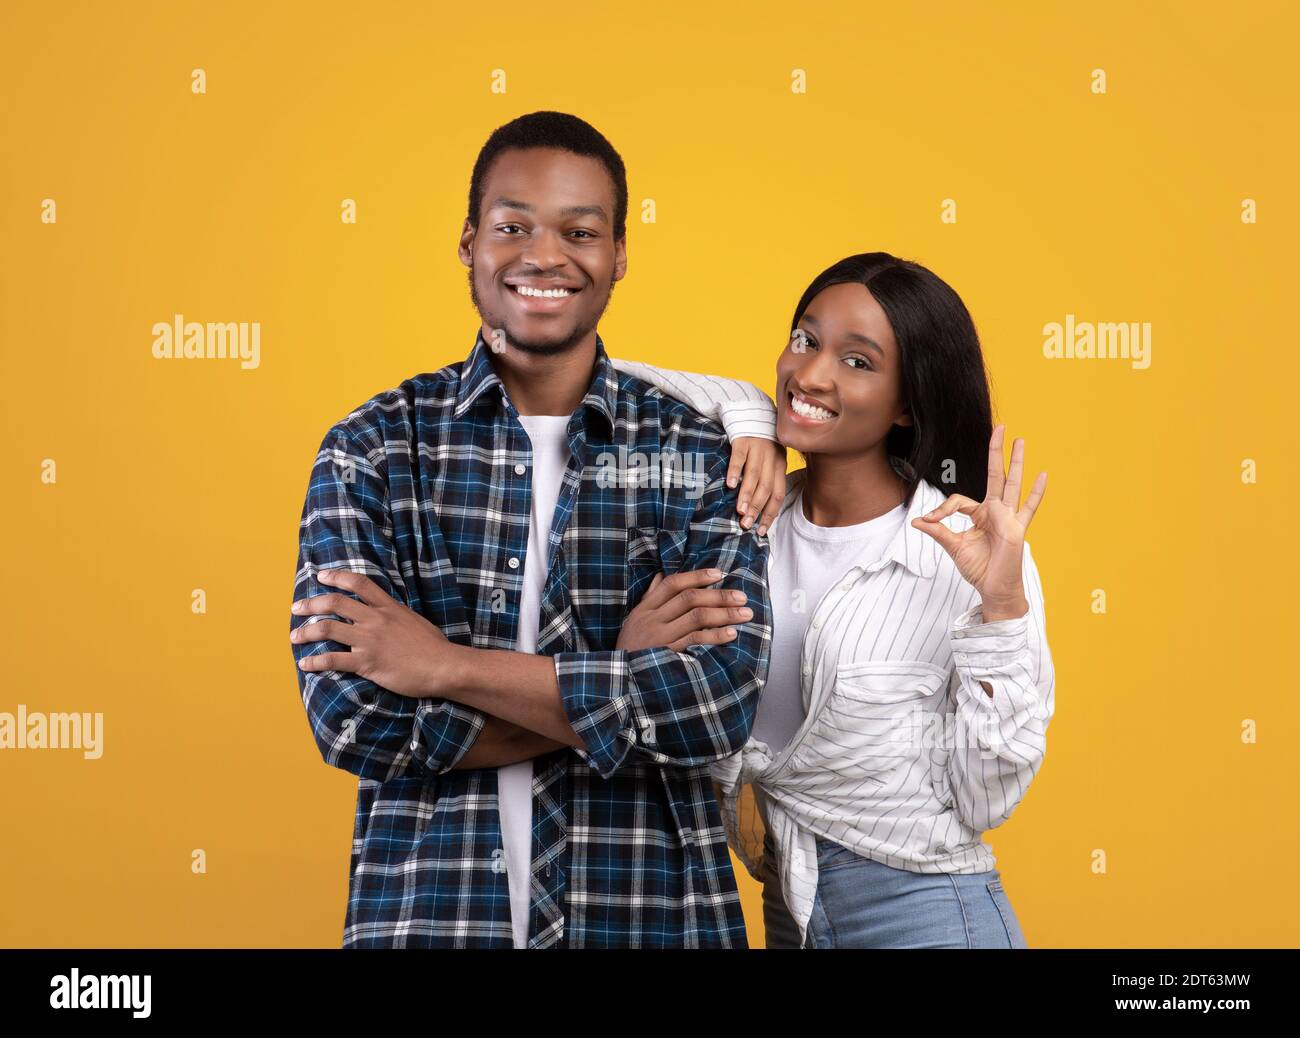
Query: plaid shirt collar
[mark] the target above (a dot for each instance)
(479, 376)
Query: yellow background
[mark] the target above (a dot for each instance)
(225, 207)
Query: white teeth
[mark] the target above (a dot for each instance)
(539, 293)
(807, 410)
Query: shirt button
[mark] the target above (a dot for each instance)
(807, 670)
(817, 623)
(520, 469)
(846, 587)
(415, 744)
(512, 562)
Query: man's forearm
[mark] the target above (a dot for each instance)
(519, 687)
(501, 742)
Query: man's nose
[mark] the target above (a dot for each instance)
(544, 250)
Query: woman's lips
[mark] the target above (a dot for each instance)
(823, 417)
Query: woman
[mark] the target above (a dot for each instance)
(910, 684)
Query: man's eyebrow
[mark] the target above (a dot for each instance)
(585, 210)
(572, 210)
(510, 203)
(851, 336)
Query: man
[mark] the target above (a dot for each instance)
(463, 578)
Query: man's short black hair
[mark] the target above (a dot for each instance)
(551, 130)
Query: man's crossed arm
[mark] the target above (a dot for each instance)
(398, 649)
(405, 697)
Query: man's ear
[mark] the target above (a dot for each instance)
(465, 249)
(620, 258)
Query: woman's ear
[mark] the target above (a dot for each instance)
(904, 419)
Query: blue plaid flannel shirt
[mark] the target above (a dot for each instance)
(419, 489)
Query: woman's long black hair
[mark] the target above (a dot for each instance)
(943, 380)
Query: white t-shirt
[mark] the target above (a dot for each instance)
(515, 781)
(804, 560)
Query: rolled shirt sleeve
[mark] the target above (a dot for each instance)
(359, 726)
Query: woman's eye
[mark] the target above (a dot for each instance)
(866, 365)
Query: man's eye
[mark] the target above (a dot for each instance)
(506, 227)
(587, 233)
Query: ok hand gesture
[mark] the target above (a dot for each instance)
(989, 554)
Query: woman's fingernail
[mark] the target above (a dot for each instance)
(746, 613)
(731, 632)
(716, 574)
(738, 596)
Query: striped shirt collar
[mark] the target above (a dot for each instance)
(915, 551)
(478, 375)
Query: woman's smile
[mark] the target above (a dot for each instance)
(806, 411)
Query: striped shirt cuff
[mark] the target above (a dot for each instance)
(997, 652)
(747, 419)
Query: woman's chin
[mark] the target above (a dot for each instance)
(794, 438)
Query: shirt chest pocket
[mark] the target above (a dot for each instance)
(650, 552)
(874, 726)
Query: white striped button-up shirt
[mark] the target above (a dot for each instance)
(902, 756)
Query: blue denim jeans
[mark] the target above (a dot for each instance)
(861, 903)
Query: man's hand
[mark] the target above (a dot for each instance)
(681, 610)
(393, 646)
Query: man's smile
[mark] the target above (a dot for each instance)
(541, 297)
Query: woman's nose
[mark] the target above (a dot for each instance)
(816, 370)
